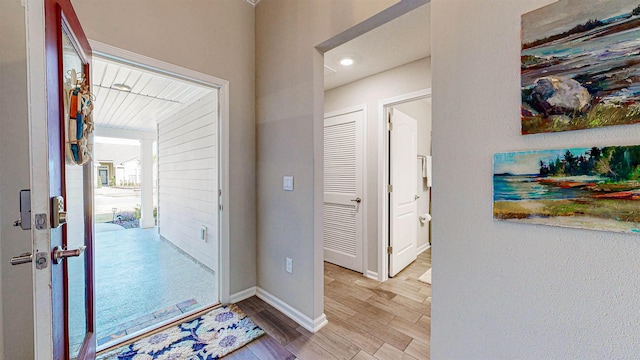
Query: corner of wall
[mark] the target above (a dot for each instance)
(310, 324)
(16, 311)
(2, 240)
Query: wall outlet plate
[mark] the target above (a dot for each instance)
(287, 183)
(289, 265)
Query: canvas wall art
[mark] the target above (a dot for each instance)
(594, 188)
(580, 65)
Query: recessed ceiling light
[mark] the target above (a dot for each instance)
(121, 87)
(346, 62)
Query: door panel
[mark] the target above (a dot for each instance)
(104, 175)
(342, 214)
(76, 275)
(404, 211)
(72, 278)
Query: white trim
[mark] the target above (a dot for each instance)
(372, 275)
(242, 295)
(109, 132)
(174, 71)
(39, 166)
(312, 325)
(116, 54)
(365, 159)
(423, 248)
(383, 175)
(345, 111)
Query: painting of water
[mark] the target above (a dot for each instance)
(593, 188)
(580, 65)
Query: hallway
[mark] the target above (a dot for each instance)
(368, 320)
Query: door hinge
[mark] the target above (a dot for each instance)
(390, 126)
(389, 250)
(220, 207)
(389, 123)
(389, 188)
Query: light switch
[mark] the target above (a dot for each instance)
(287, 183)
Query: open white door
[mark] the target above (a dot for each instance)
(342, 209)
(403, 205)
(61, 194)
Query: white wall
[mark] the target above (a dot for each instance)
(16, 315)
(289, 92)
(370, 90)
(215, 38)
(504, 290)
(188, 179)
(421, 111)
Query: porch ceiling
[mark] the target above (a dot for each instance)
(152, 98)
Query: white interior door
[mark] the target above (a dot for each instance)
(403, 175)
(342, 209)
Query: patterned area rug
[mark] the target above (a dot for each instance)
(208, 337)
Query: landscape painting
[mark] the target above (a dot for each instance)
(594, 188)
(580, 65)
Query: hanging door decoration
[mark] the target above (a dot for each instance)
(78, 103)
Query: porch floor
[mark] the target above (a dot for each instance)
(141, 280)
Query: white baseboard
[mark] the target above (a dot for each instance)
(423, 248)
(241, 295)
(312, 325)
(372, 275)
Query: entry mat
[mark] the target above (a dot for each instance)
(209, 337)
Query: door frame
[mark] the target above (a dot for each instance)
(39, 175)
(383, 174)
(38, 162)
(130, 58)
(116, 54)
(363, 207)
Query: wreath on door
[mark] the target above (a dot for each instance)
(78, 106)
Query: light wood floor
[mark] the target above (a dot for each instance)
(368, 320)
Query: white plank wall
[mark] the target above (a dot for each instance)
(188, 179)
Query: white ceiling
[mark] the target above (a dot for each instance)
(398, 42)
(153, 96)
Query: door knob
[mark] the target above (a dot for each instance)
(21, 259)
(358, 200)
(60, 254)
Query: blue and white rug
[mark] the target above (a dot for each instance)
(208, 337)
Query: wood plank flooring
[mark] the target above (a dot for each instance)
(368, 320)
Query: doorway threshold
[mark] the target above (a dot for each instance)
(170, 318)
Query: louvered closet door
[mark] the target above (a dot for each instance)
(342, 213)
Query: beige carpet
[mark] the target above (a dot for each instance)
(426, 277)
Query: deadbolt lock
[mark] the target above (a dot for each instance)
(58, 215)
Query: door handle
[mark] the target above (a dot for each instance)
(358, 200)
(21, 259)
(416, 197)
(60, 254)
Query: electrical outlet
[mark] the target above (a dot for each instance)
(203, 233)
(289, 265)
